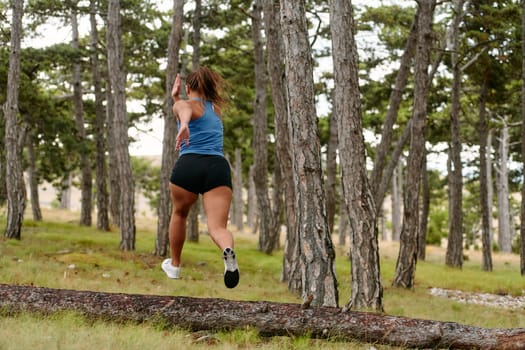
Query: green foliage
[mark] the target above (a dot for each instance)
(437, 226)
(147, 180)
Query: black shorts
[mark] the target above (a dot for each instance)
(200, 173)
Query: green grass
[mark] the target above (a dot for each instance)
(64, 255)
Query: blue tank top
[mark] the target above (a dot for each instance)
(206, 133)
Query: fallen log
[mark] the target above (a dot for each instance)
(269, 318)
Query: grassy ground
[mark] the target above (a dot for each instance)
(58, 253)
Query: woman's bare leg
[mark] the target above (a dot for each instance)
(182, 201)
(217, 207)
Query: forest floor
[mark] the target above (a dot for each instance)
(58, 253)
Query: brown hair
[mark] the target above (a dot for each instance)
(207, 83)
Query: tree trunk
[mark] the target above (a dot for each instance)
(490, 182)
(114, 185)
(454, 255)
(271, 9)
(269, 318)
(169, 153)
(102, 196)
(192, 229)
(252, 202)
(343, 225)
(397, 200)
(502, 184)
(196, 56)
(86, 179)
(267, 232)
(522, 214)
(317, 255)
(118, 83)
(425, 210)
(378, 176)
(407, 258)
(331, 171)
(238, 203)
(486, 215)
(367, 289)
(65, 191)
(32, 174)
(14, 132)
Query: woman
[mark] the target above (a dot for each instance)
(201, 169)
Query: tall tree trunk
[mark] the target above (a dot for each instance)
(114, 184)
(343, 225)
(367, 289)
(238, 211)
(377, 176)
(65, 191)
(252, 202)
(102, 196)
(397, 201)
(425, 209)
(490, 183)
(454, 255)
(272, 27)
(197, 14)
(502, 184)
(169, 153)
(522, 214)
(267, 232)
(317, 256)
(407, 259)
(14, 131)
(118, 83)
(32, 174)
(192, 229)
(331, 170)
(86, 180)
(486, 215)
(3, 187)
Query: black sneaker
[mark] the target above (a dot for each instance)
(231, 270)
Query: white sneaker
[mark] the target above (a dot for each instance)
(231, 270)
(171, 271)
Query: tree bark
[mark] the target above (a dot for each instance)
(502, 184)
(397, 200)
(238, 204)
(86, 178)
(331, 171)
(196, 56)
(118, 83)
(486, 215)
(407, 258)
(425, 210)
(317, 255)
(192, 228)
(169, 154)
(114, 185)
(522, 214)
(14, 131)
(276, 75)
(102, 196)
(367, 289)
(269, 318)
(267, 227)
(454, 255)
(252, 202)
(32, 175)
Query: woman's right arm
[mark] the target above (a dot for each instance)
(182, 109)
